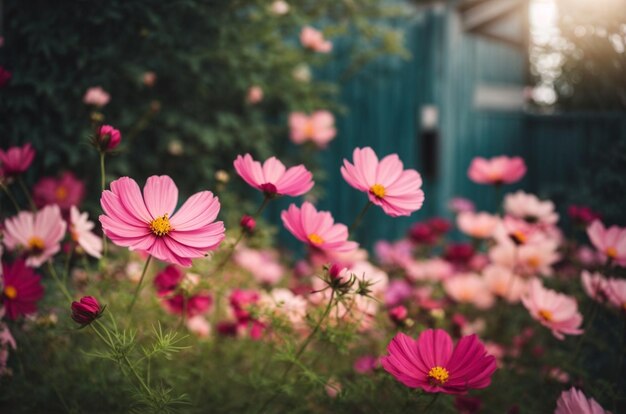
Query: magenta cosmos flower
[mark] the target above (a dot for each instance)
(38, 234)
(170, 284)
(66, 191)
(386, 183)
(22, 289)
(148, 223)
(86, 310)
(16, 160)
(610, 242)
(319, 127)
(108, 138)
(272, 177)
(573, 401)
(317, 228)
(555, 311)
(496, 170)
(431, 364)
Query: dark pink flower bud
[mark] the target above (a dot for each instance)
(5, 76)
(108, 138)
(398, 314)
(335, 271)
(86, 311)
(248, 223)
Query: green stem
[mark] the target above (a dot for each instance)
(10, 196)
(58, 281)
(138, 289)
(358, 218)
(31, 203)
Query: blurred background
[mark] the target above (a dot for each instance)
(438, 82)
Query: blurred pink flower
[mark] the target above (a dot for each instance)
(191, 305)
(172, 286)
(262, 264)
(149, 79)
(333, 388)
(96, 96)
(285, 303)
(616, 291)
(319, 127)
(81, 232)
(477, 225)
(430, 363)
(398, 314)
(317, 229)
(21, 290)
(65, 191)
(496, 170)
(538, 258)
(387, 184)
(460, 205)
(435, 269)
(582, 215)
(397, 292)
(39, 234)
(199, 326)
(254, 95)
(241, 302)
(148, 223)
(16, 160)
(5, 76)
(422, 233)
(469, 288)
(573, 401)
(459, 254)
(530, 208)
(279, 7)
(366, 364)
(272, 178)
(313, 39)
(611, 242)
(555, 311)
(595, 285)
(501, 281)
(394, 254)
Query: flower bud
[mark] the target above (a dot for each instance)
(86, 311)
(398, 314)
(248, 223)
(108, 138)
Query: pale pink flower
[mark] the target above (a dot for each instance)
(96, 96)
(314, 39)
(555, 311)
(611, 242)
(435, 269)
(199, 326)
(573, 401)
(148, 223)
(530, 208)
(333, 388)
(387, 184)
(477, 225)
(616, 291)
(595, 285)
(284, 303)
(538, 258)
(469, 288)
(317, 228)
(279, 7)
(496, 170)
(81, 231)
(459, 205)
(16, 160)
(398, 254)
(39, 234)
(255, 95)
(149, 79)
(502, 282)
(262, 264)
(319, 127)
(272, 178)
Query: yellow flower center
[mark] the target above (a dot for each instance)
(546, 315)
(36, 244)
(160, 226)
(519, 237)
(438, 375)
(316, 239)
(378, 190)
(533, 262)
(611, 252)
(60, 193)
(10, 292)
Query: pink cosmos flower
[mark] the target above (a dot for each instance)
(314, 40)
(16, 160)
(317, 228)
(397, 292)
(96, 96)
(5, 76)
(272, 178)
(283, 302)
(430, 363)
(22, 289)
(366, 364)
(39, 234)
(148, 223)
(595, 285)
(262, 264)
(477, 225)
(254, 95)
(555, 311)
(199, 326)
(611, 242)
(573, 401)
(386, 183)
(616, 291)
(173, 287)
(460, 205)
(398, 254)
(529, 207)
(496, 170)
(319, 128)
(66, 191)
(81, 232)
(501, 281)
(469, 288)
